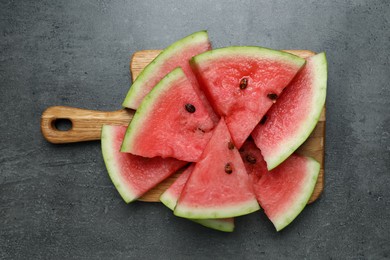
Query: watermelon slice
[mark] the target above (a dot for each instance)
(170, 197)
(294, 116)
(219, 186)
(171, 122)
(133, 175)
(283, 192)
(176, 55)
(243, 82)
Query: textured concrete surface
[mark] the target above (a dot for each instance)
(56, 201)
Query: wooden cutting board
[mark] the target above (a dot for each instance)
(87, 124)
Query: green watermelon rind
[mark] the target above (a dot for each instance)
(299, 204)
(147, 107)
(315, 113)
(149, 70)
(127, 194)
(250, 51)
(215, 212)
(216, 224)
(170, 202)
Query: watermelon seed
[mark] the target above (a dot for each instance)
(200, 129)
(272, 96)
(262, 121)
(190, 108)
(250, 159)
(228, 168)
(243, 83)
(230, 145)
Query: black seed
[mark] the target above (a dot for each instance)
(230, 145)
(200, 129)
(243, 83)
(250, 159)
(228, 168)
(262, 121)
(190, 108)
(272, 96)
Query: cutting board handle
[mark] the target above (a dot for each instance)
(86, 125)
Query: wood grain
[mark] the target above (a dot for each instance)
(314, 145)
(86, 124)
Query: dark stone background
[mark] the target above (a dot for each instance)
(56, 201)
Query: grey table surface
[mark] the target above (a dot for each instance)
(57, 202)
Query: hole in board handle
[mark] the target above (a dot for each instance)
(62, 124)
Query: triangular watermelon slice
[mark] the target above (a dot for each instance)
(133, 175)
(294, 116)
(242, 83)
(219, 186)
(283, 192)
(171, 122)
(170, 197)
(176, 55)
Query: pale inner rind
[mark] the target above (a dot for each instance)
(113, 168)
(149, 70)
(304, 129)
(217, 212)
(299, 203)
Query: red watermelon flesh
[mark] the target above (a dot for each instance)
(253, 160)
(133, 175)
(172, 194)
(176, 55)
(242, 83)
(171, 122)
(290, 121)
(219, 186)
(283, 192)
